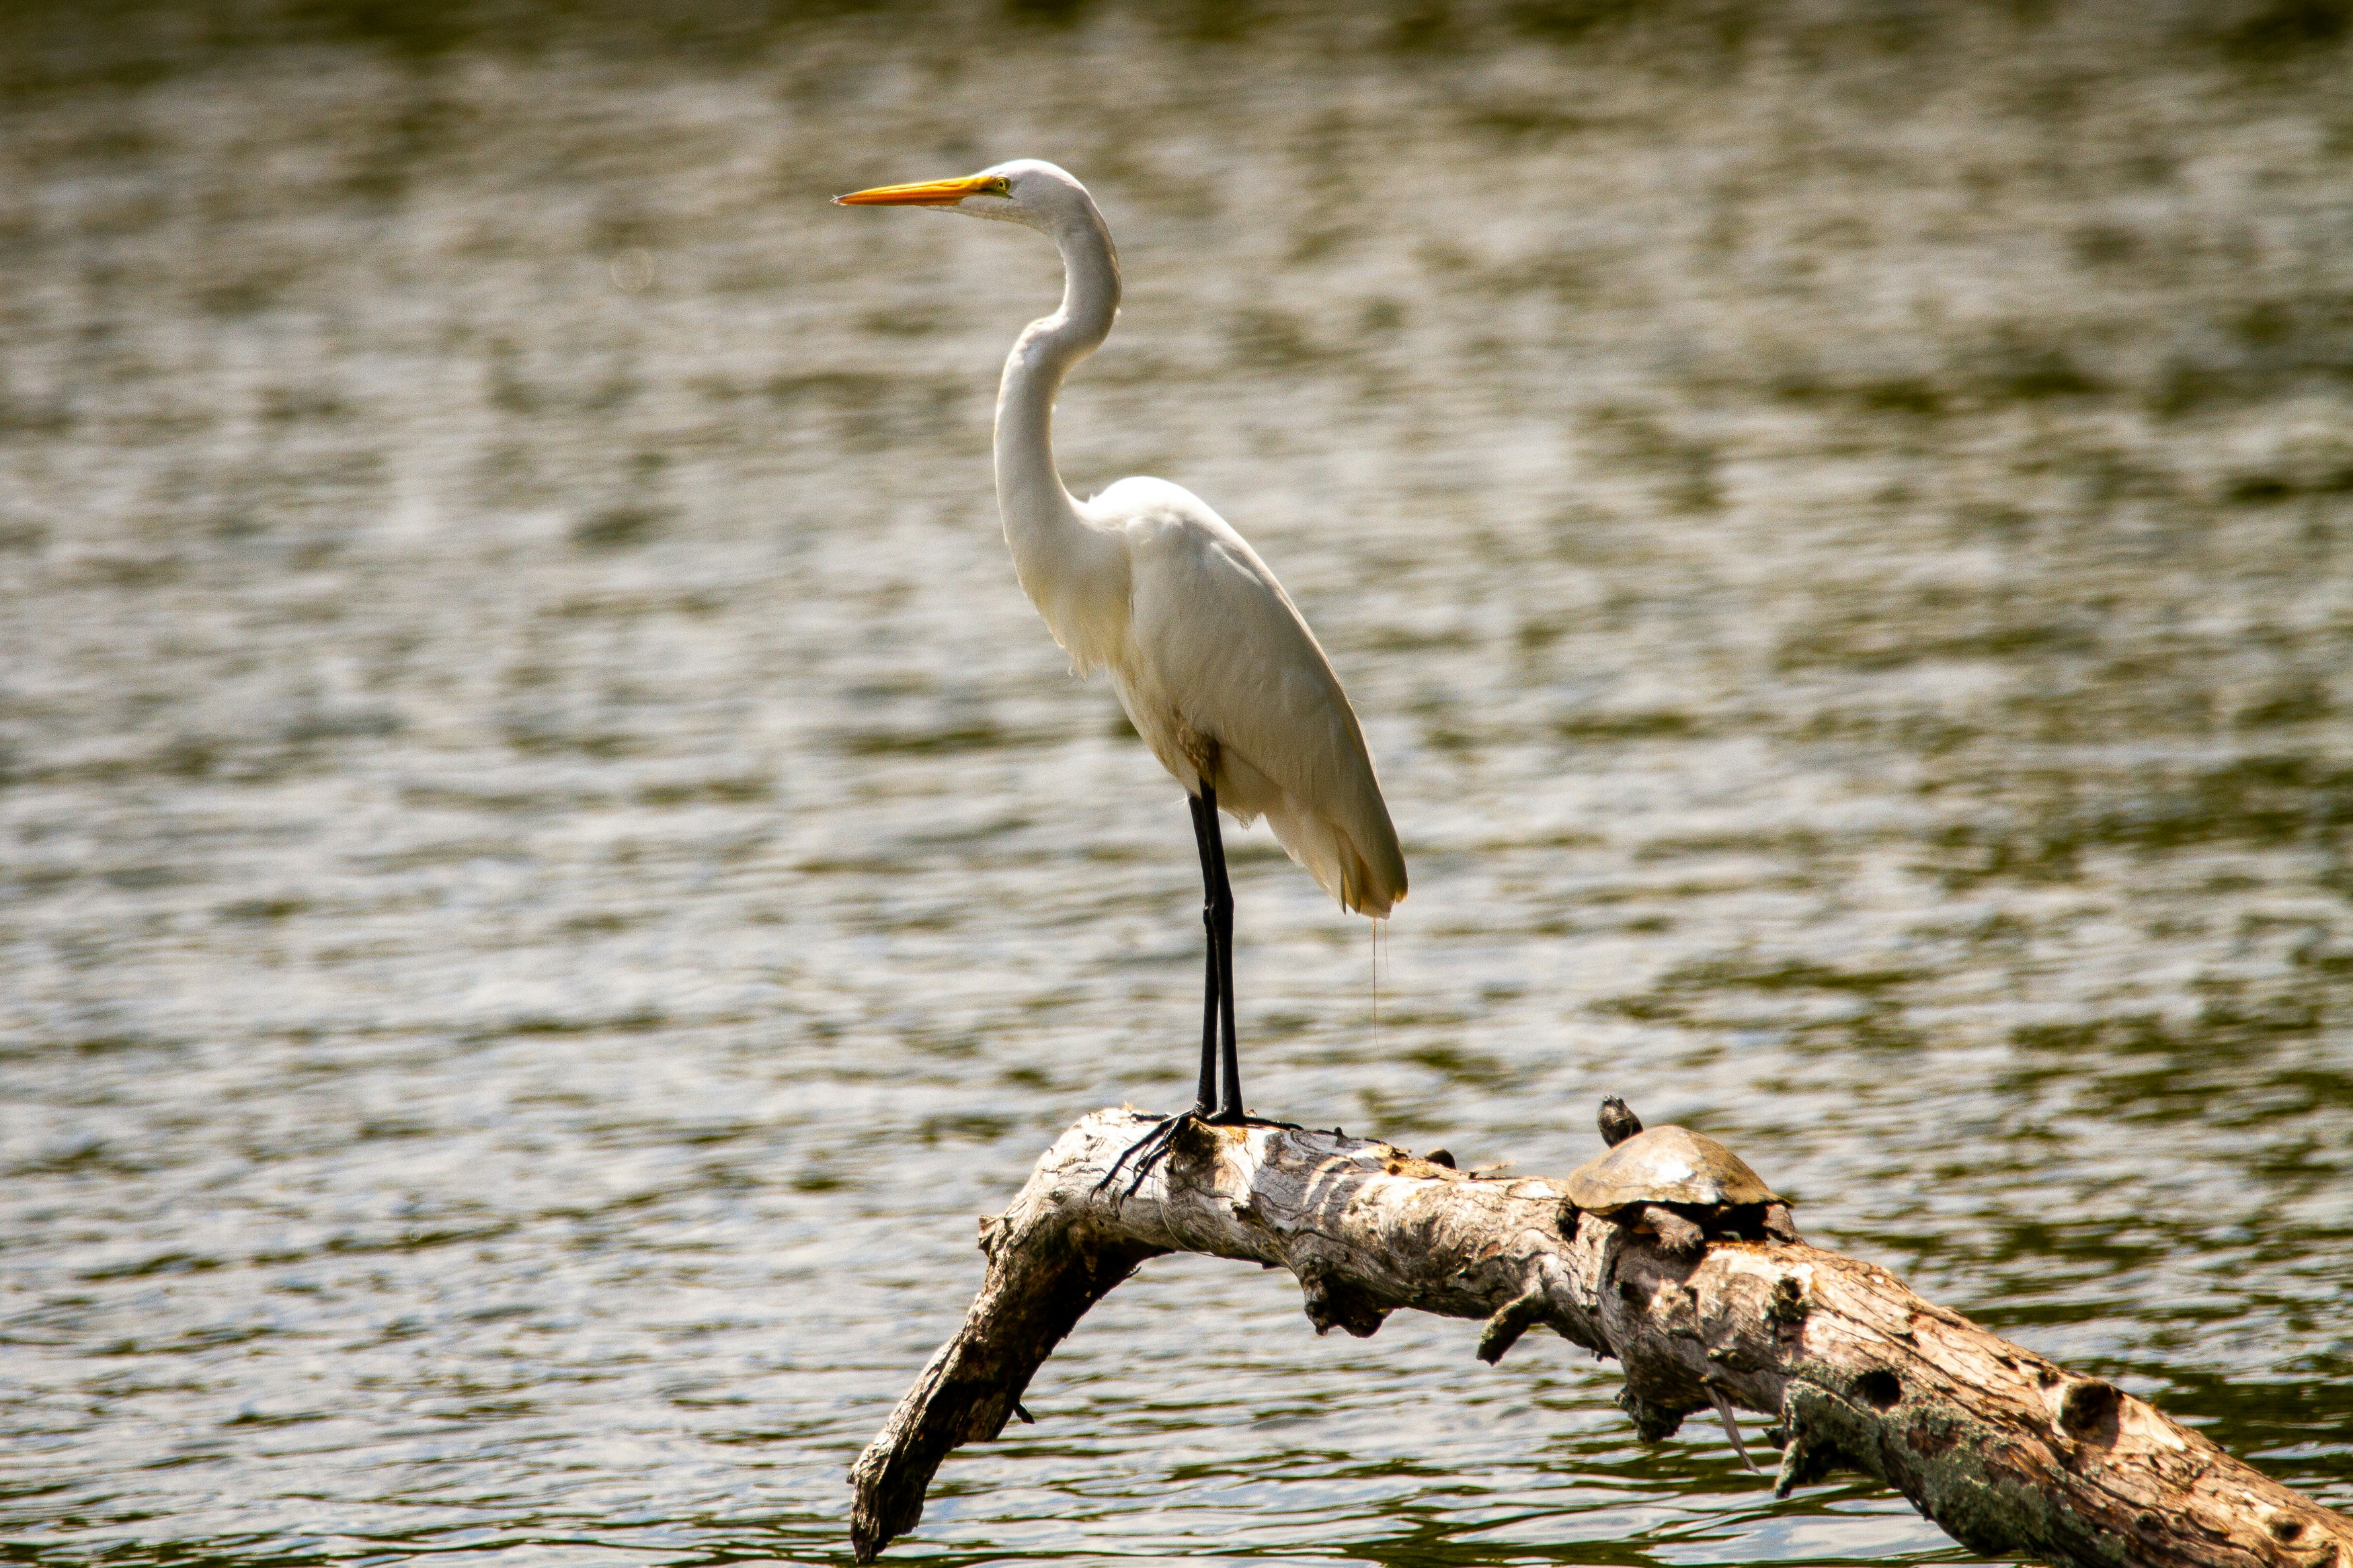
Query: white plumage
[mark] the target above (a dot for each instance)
(1212, 661)
(1215, 652)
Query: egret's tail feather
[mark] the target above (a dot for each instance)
(1368, 885)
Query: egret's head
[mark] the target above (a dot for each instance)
(1024, 191)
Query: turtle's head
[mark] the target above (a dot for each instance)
(1618, 1121)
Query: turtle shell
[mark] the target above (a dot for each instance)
(1666, 1165)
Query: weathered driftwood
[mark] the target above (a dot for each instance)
(2014, 1456)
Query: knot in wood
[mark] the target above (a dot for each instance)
(1510, 1321)
(1652, 1422)
(1193, 1151)
(2088, 1409)
(1734, 1357)
(1812, 1420)
(1332, 1302)
(1880, 1388)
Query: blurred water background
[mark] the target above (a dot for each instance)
(550, 869)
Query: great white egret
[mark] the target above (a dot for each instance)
(1212, 661)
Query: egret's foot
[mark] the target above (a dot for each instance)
(1147, 1151)
(1150, 1150)
(1244, 1119)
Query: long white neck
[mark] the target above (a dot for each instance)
(1066, 566)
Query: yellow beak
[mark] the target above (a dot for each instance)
(926, 194)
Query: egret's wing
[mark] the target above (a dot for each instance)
(1223, 645)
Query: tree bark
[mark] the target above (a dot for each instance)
(2013, 1456)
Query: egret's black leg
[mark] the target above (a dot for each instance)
(1205, 839)
(1221, 940)
(1217, 1042)
(1153, 1147)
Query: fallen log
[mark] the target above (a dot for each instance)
(2013, 1456)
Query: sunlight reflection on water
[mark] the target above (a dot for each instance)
(550, 870)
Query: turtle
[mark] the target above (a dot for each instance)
(1680, 1186)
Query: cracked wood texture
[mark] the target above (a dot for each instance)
(2014, 1456)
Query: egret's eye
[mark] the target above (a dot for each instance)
(1000, 186)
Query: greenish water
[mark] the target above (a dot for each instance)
(550, 871)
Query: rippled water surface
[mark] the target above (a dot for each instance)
(550, 869)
